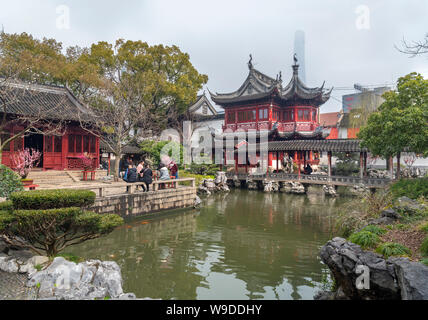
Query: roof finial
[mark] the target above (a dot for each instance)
(250, 63)
(295, 66)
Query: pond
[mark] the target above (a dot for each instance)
(239, 246)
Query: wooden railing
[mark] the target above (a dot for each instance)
(314, 179)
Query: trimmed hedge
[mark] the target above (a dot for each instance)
(50, 231)
(52, 199)
(412, 188)
(6, 206)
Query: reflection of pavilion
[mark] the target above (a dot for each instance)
(260, 247)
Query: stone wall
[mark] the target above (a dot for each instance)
(137, 204)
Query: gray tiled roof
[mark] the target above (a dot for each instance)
(259, 86)
(338, 145)
(50, 102)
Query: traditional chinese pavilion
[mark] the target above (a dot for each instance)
(51, 104)
(262, 104)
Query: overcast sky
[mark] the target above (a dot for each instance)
(344, 45)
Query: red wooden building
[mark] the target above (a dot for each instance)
(287, 113)
(53, 104)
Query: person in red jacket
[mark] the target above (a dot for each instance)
(173, 168)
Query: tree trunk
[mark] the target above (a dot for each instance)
(116, 167)
(398, 166)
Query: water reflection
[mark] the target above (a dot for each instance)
(245, 245)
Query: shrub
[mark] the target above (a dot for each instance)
(375, 229)
(424, 247)
(365, 239)
(50, 199)
(390, 249)
(50, 231)
(204, 169)
(412, 188)
(9, 182)
(425, 261)
(6, 206)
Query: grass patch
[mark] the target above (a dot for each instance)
(424, 227)
(71, 257)
(412, 188)
(424, 247)
(365, 239)
(375, 229)
(390, 249)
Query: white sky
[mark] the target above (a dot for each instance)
(219, 35)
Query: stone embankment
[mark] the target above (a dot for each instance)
(390, 279)
(24, 276)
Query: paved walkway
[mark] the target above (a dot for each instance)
(12, 287)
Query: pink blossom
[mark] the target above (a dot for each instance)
(25, 160)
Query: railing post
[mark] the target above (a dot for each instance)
(101, 192)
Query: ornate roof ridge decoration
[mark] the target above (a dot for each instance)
(297, 89)
(201, 99)
(258, 86)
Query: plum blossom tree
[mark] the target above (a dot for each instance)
(25, 160)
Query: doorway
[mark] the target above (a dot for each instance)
(35, 141)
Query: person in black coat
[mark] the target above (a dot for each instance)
(131, 176)
(147, 177)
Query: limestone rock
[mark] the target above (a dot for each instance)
(66, 280)
(8, 264)
(330, 190)
(198, 202)
(406, 205)
(412, 278)
(392, 279)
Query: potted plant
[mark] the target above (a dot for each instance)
(24, 161)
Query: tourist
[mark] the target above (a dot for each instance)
(140, 169)
(164, 175)
(147, 178)
(173, 169)
(308, 169)
(131, 175)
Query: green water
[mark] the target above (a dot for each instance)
(244, 245)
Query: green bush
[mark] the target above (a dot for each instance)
(390, 249)
(50, 231)
(412, 188)
(375, 229)
(423, 227)
(424, 247)
(425, 261)
(204, 169)
(6, 206)
(50, 199)
(365, 239)
(9, 182)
